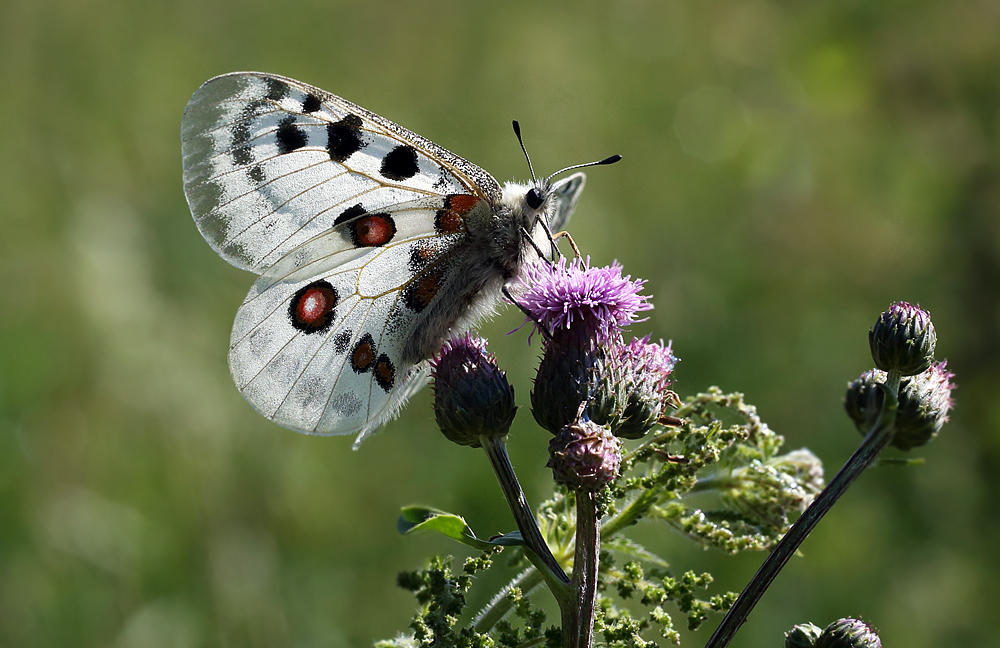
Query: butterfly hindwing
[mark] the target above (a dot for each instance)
(270, 162)
(322, 342)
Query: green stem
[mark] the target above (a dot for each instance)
(538, 550)
(876, 440)
(578, 616)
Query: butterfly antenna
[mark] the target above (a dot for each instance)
(517, 131)
(607, 160)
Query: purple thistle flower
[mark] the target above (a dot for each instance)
(568, 294)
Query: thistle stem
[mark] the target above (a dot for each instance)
(578, 616)
(553, 573)
(875, 441)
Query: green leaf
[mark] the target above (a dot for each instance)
(421, 518)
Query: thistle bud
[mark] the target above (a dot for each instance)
(861, 407)
(803, 635)
(849, 633)
(584, 456)
(472, 397)
(575, 369)
(924, 403)
(903, 339)
(645, 373)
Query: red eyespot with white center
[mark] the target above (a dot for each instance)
(312, 308)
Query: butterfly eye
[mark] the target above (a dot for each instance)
(533, 198)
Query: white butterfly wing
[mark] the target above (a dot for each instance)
(323, 342)
(567, 191)
(270, 162)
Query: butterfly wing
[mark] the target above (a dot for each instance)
(567, 191)
(270, 162)
(328, 340)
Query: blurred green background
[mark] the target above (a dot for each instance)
(789, 169)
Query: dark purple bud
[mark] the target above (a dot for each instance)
(585, 456)
(903, 339)
(849, 633)
(472, 397)
(645, 369)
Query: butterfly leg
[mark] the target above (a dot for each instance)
(569, 237)
(541, 327)
(548, 233)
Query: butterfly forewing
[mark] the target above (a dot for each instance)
(270, 162)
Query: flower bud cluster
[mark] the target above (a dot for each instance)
(591, 386)
(924, 403)
(903, 340)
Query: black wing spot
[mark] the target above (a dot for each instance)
(241, 133)
(290, 136)
(363, 354)
(420, 293)
(242, 156)
(420, 256)
(385, 372)
(343, 138)
(256, 173)
(341, 340)
(351, 212)
(400, 163)
(311, 104)
(276, 90)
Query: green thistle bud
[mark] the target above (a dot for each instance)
(903, 339)
(645, 375)
(861, 407)
(472, 397)
(849, 633)
(584, 456)
(803, 635)
(924, 403)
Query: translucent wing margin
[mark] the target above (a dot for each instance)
(270, 162)
(567, 191)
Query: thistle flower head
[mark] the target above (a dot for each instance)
(903, 338)
(472, 397)
(573, 294)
